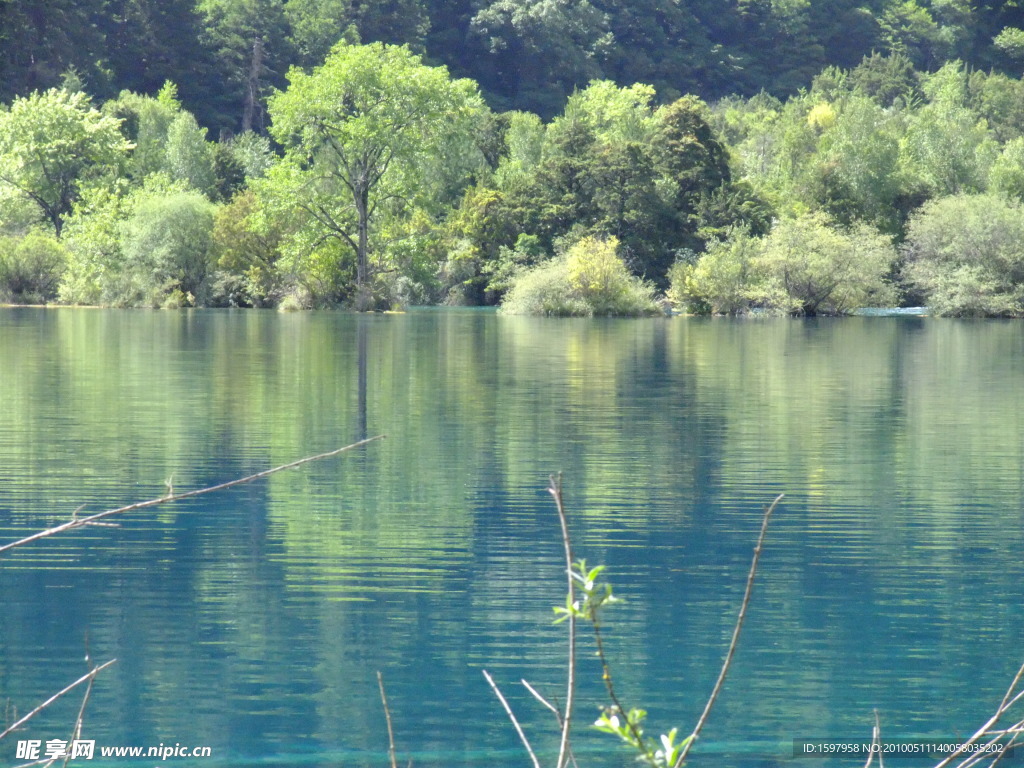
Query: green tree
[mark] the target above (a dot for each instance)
(249, 38)
(910, 29)
(150, 42)
(947, 149)
(1007, 174)
(145, 121)
(53, 143)
(690, 153)
(858, 158)
(356, 133)
(531, 54)
(167, 241)
(188, 156)
(41, 41)
(812, 267)
(888, 80)
(806, 266)
(966, 253)
(317, 25)
(392, 21)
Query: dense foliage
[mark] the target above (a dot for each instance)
(589, 279)
(227, 55)
(811, 173)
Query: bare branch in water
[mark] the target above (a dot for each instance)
(81, 522)
(86, 678)
(735, 632)
(555, 489)
(387, 716)
(876, 743)
(512, 717)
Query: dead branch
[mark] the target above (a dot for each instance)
(512, 717)
(555, 710)
(735, 633)
(876, 744)
(387, 716)
(81, 522)
(87, 677)
(1011, 697)
(555, 489)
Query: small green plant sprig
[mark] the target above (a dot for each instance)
(593, 595)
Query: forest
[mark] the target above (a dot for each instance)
(557, 156)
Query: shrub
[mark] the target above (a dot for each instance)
(137, 248)
(589, 279)
(811, 267)
(96, 272)
(246, 247)
(806, 266)
(721, 281)
(544, 290)
(966, 254)
(168, 240)
(31, 268)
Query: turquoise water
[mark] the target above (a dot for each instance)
(254, 621)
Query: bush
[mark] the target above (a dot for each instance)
(544, 290)
(721, 281)
(168, 240)
(966, 254)
(138, 248)
(31, 268)
(812, 267)
(590, 279)
(806, 266)
(246, 247)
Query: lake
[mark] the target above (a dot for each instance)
(254, 621)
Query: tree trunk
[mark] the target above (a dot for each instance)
(252, 86)
(362, 199)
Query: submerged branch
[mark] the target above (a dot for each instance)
(387, 716)
(86, 678)
(81, 522)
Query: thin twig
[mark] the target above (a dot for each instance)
(1009, 699)
(1006, 703)
(512, 717)
(1016, 731)
(735, 633)
(387, 716)
(555, 489)
(76, 732)
(545, 702)
(555, 710)
(84, 678)
(80, 522)
(876, 744)
(606, 675)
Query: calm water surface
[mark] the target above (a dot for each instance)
(254, 621)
